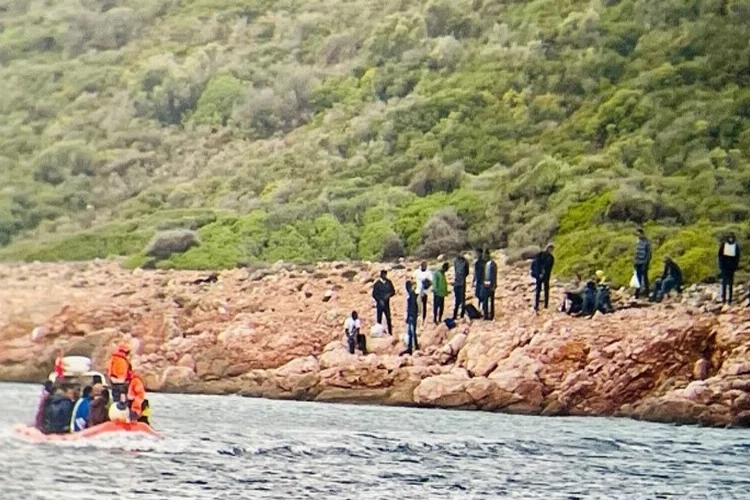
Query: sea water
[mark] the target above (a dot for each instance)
(226, 447)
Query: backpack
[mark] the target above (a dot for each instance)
(534, 268)
(472, 312)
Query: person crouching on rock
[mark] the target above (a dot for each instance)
(412, 315)
(120, 371)
(354, 337)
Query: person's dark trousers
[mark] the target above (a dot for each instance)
(727, 286)
(460, 294)
(385, 309)
(362, 343)
(424, 307)
(641, 271)
(118, 389)
(438, 307)
(488, 304)
(542, 283)
(478, 291)
(351, 343)
(411, 332)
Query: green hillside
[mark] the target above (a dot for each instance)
(363, 129)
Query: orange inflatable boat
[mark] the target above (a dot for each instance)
(31, 433)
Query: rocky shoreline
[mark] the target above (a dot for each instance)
(278, 333)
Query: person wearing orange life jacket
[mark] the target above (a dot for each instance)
(120, 371)
(137, 400)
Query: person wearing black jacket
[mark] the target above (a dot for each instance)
(541, 271)
(460, 275)
(478, 280)
(59, 412)
(670, 280)
(382, 291)
(729, 262)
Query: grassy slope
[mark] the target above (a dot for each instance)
(318, 130)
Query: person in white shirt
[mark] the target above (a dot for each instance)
(423, 281)
(729, 262)
(354, 338)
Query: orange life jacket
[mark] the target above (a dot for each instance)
(136, 395)
(119, 367)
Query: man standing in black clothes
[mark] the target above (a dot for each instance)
(541, 270)
(729, 262)
(460, 274)
(382, 291)
(478, 281)
(641, 262)
(412, 313)
(489, 286)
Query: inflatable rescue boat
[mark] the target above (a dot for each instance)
(77, 371)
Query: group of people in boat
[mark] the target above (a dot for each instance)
(66, 407)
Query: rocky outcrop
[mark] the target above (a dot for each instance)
(279, 334)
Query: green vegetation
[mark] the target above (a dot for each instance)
(325, 130)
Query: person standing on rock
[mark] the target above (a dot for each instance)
(489, 286)
(478, 280)
(541, 271)
(382, 292)
(423, 278)
(439, 292)
(729, 262)
(412, 315)
(460, 274)
(642, 261)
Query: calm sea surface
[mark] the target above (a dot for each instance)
(233, 448)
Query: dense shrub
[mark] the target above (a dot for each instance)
(444, 232)
(166, 243)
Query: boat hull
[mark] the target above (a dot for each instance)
(31, 433)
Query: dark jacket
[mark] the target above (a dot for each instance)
(412, 306)
(642, 251)
(479, 272)
(460, 271)
(40, 411)
(541, 267)
(58, 414)
(729, 263)
(382, 291)
(490, 278)
(672, 270)
(98, 411)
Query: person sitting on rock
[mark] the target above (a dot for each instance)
(120, 371)
(670, 280)
(588, 305)
(354, 337)
(80, 418)
(412, 315)
(99, 407)
(603, 299)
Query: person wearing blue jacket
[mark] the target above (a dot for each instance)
(80, 418)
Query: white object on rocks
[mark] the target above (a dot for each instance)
(377, 331)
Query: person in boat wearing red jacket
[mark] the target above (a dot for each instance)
(137, 400)
(120, 372)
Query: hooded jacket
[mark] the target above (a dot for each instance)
(439, 283)
(460, 271)
(136, 395)
(642, 252)
(119, 366)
